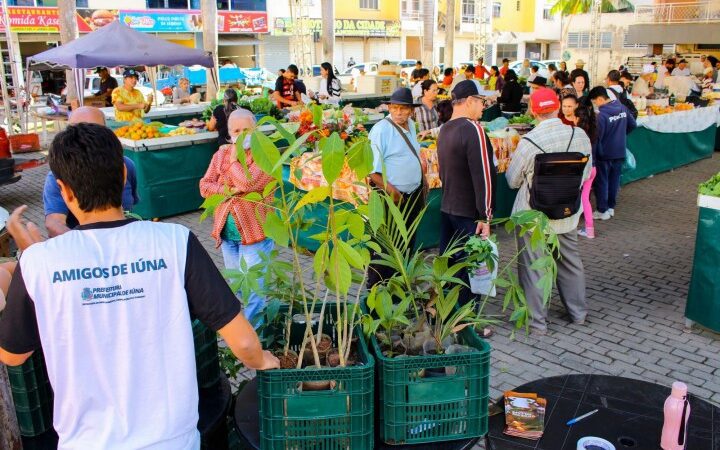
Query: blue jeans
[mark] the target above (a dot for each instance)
(607, 183)
(233, 252)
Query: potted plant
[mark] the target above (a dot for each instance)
(322, 395)
(432, 367)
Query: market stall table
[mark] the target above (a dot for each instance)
(169, 114)
(168, 171)
(630, 415)
(665, 142)
(247, 424)
(59, 121)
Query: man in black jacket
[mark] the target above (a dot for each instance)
(467, 172)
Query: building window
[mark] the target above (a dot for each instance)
(369, 4)
(627, 44)
(21, 2)
(46, 2)
(517, 5)
(411, 9)
(547, 15)
(248, 5)
(496, 7)
(508, 51)
(582, 40)
(467, 14)
(167, 4)
(81, 3)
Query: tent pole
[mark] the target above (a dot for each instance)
(153, 84)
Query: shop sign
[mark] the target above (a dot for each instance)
(162, 22)
(284, 26)
(242, 22)
(37, 20)
(46, 20)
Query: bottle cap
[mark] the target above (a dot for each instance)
(679, 389)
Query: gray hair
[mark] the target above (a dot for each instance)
(242, 113)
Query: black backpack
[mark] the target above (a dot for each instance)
(628, 103)
(556, 189)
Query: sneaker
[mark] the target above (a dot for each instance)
(611, 211)
(597, 215)
(585, 233)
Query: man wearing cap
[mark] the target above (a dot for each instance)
(579, 67)
(107, 85)
(552, 136)
(467, 172)
(682, 70)
(129, 102)
(397, 168)
(537, 83)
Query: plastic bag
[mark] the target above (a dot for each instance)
(482, 279)
(630, 163)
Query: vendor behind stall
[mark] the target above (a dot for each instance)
(107, 85)
(181, 92)
(286, 92)
(129, 102)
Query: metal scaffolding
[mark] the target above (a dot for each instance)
(481, 29)
(301, 48)
(595, 41)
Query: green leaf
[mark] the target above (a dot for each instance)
(265, 154)
(351, 255)
(320, 261)
(360, 158)
(376, 210)
(332, 149)
(313, 196)
(356, 225)
(339, 275)
(253, 197)
(210, 204)
(275, 229)
(317, 113)
(269, 188)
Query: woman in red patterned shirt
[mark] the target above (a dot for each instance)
(237, 226)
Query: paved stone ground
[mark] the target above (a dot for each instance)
(638, 272)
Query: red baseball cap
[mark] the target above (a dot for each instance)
(543, 101)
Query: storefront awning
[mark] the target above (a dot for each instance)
(677, 33)
(237, 40)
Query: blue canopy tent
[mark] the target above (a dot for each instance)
(114, 45)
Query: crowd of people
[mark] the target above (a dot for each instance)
(161, 276)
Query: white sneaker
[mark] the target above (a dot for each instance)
(611, 211)
(597, 215)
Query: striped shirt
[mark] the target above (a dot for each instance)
(552, 136)
(427, 119)
(226, 172)
(467, 171)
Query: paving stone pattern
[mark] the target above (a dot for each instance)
(637, 270)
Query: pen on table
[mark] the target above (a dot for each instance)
(578, 419)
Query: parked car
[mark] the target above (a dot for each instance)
(404, 63)
(348, 77)
(316, 70)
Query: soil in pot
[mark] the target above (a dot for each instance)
(288, 360)
(323, 347)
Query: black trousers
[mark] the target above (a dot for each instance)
(457, 229)
(376, 272)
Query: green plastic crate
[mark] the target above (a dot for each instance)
(415, 408)
(206, 355)
(32, 395)
(340, 418)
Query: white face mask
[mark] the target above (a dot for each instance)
(246, 141)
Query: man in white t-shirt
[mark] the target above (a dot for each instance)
(110, 303)
(682, 70)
